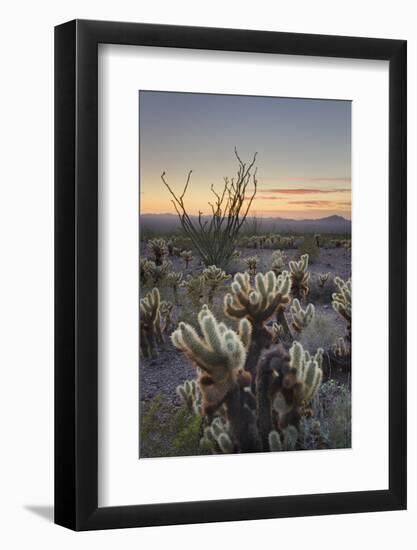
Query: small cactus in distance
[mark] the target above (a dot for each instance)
(187, 256)
(194, 285)
(342, 302)
(301, 317)
(150, 323)
(252, 264)
(213, 277)
(278, 260)
(165, 310)
(158, 249)
(220, 354)
(299, 277)
(174, 279)
(322, 279)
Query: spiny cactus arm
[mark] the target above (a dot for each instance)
(302, 318)
(245, 333)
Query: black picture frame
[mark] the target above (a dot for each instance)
(76, 271)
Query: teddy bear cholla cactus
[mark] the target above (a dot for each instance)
(213, 277)
(189, 394)
(150, 323)
(220, 354)
(322, 279)
(174, 279)
(158, 249)
(342, 302)
(187, 256)
(278, 260)
(258, 304)
(154, 272)
(301, 317)
(252, 263)
(299, 277)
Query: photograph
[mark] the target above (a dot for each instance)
(245, 274)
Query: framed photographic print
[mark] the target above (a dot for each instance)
(230, 275)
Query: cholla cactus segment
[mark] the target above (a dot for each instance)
(259, 302)
(340, 348)
(322, 278)
(174, 278)
(286, 441)
(278, 260)
(220, 353)
(213, 277)
(309, 369)
(187, 256)
(194, 286)
(342, 299)
(150, 323)
(301, 317)
(165, 311)
(252, 263)
(189, 394)
(217, 437)
(300, 277)
(158, 248)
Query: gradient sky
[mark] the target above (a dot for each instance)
(303, 145)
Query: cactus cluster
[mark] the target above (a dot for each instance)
(214, 277)
(220, 353)
(218, 437)
(309, 370)
(301, 317)
(342, 302)
(156, 273)
(284, 441)
(194, 286)
(299, 277)
(158, 249)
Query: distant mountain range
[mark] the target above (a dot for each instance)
(164, 223)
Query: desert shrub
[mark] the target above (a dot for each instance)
(168, 430)
(333, 409)
(309, 246)
(321, 332)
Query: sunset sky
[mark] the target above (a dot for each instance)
(303, 145)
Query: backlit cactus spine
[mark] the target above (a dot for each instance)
(342, 302)
(213, 277)
(299, 277)
(309, 370)
(189, 394)
(301, 317)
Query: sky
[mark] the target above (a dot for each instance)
(303, 151)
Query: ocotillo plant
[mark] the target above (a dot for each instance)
(213, 277)
(301, 317)
(187, 256)
(278, 260)
(174, 279)
(150, 323)
(252, 263)
(342, 302)
(214, 238)
(258, 304)
(299, 277)
(158, 249)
